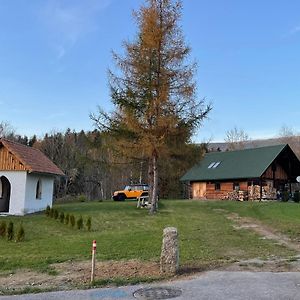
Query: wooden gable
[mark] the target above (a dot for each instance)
(275, 171)
(18, 157)
(9, 162)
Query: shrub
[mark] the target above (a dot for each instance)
(81, 198)
(51, 213)
(62, 217)
(285, 196)
(55, 214)
(3, 229)
(47, 211)
(10, 231)
(67, 219)
(89, 223)
(296, 197)
(20, 234)
(80, 223)
(72, 220)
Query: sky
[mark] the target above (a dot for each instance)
(54, 57)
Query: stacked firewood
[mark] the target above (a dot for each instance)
(253, 193)
(236, 196)
(268, 192)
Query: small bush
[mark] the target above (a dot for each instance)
(51, 213)
(81, 198)
(296, 197)
(3, 229)
(72, 220)
(80, 223)
(62, 217)
(20, 234)
(47, 211)
(89, 223)
(285, 196)
(55, 214)
(67, 219)
(10, 231)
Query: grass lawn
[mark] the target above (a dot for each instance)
(124, 232)
(281, 216)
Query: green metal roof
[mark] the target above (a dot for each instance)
(248, 163)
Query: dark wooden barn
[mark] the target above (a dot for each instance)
(258, 173)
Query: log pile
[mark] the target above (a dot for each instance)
(253, 193)
(268, 192)
(236, 196)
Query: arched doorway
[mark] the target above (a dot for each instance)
(4, 194)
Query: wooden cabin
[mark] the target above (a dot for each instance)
(257, 173)
(26, 179)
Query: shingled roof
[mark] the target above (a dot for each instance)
(33, 159)
(248, 163)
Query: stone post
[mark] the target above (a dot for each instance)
(169, 258)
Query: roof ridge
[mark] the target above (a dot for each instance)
(32, 158)
(248, 149)
(16, 143)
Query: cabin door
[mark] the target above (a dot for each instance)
(199, 190)
(4, 194)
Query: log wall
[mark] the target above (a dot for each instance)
(9, 162)
(225, 188)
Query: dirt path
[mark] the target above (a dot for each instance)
(272, 264)
(263, 230)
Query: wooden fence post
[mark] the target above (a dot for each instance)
(93, 260)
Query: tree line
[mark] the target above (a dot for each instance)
(94, 170)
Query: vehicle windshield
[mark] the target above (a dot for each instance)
(136, 187)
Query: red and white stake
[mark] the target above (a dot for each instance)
(93, 260)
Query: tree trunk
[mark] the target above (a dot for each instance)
(150, 178)
(154, 192)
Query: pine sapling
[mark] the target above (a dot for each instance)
(20, 234)
(55, 214)
(3, 229)
(10, 231)
(67, 219)
(62, 217)
(80, 223)
(72, 220)
(89, 223)
(47, 211)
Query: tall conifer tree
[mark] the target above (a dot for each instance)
(153, 90)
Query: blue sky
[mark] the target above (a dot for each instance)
(54, 56)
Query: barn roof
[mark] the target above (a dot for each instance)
(248, 163)
(33, 159)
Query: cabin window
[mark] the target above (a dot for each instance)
(217, 186)
(38, 193)
(236, 186)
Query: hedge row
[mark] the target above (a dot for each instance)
(68, 219)
(8, 232)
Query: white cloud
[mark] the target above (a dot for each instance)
(68, 21)
(295, 30)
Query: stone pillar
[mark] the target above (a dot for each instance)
(169, 258)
